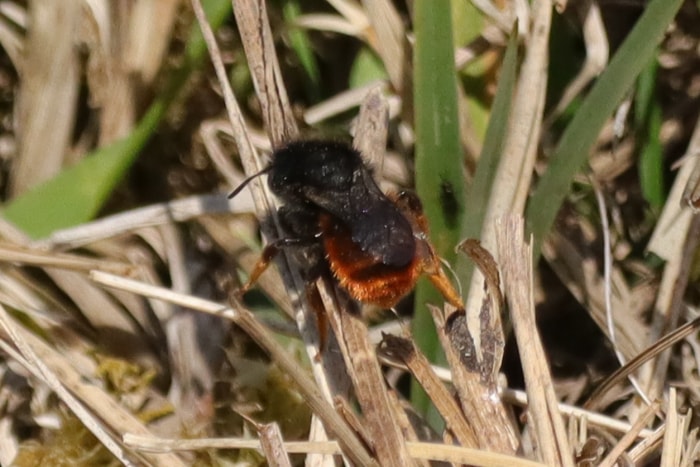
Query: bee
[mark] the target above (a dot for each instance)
(334, 215)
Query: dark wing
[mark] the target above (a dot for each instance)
(380, 228)
(376, 225)
(384, 233)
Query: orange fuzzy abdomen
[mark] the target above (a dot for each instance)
(364, 276)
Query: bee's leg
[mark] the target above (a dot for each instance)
(316, 303)
(445, 287)
(409, 204)
(431, 267)
(269, 253)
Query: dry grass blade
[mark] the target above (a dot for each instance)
(109, 33)
(334, 23)
(675, 433)
(381, 420)
(516, 267)
(593, 418)
(273, 445)
(511, 184)
(515, 166)
(663, 344)
(50, 88)
(405, 351)
(150, 27)
(10, 253)
(248, 155)
(341, 102)
(11, 39)
(672, 227)
(390, 41)
(128, 44)
(343, 407)
(460, 455)
(681, 444)
(646, 448)
(503, 20)
(153, 444)
(251, 17)
(179, 210)
(427, 451)
(630, 436)
(372, 128)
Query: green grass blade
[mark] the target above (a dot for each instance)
(648, 119)
(651, 163)
(581, 134)
(438, 152)
(77, 193)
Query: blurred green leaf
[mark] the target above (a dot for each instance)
(467, 22)
(581, 134)
(366, 67)
(301, 45)
(77, 193)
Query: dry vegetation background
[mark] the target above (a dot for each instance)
(119, 250)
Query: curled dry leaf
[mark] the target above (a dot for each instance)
(487, 358)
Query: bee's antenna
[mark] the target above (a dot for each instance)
(247, 180)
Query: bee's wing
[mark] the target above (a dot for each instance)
(384, 233)
(376, 225)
